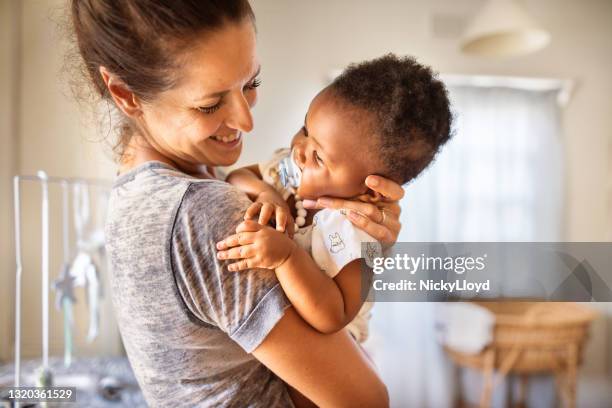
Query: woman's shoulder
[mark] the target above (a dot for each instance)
(208, 212)
(160, 195)
(153, 178)
(213, 198)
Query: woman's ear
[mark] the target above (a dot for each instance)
(121, 94)
(370, 196)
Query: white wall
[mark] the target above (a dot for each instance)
(7, 168)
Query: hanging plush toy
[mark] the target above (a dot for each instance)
(82, 271)
(83, 268)
(85, 274)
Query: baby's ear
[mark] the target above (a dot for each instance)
(370, 196)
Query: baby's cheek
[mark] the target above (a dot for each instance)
(305, 189)
(308, 186)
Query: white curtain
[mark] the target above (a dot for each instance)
(499, 179)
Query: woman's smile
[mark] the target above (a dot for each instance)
(230, 141)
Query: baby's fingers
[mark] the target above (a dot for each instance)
(281, 219)
(241, 265)
(242, 238)
(240, 252)
(284, 221)
(266, 212)
(248, 226)
(252, 211)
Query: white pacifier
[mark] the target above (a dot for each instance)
(289, 172)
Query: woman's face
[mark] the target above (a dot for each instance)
(202, 119)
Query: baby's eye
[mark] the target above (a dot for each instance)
(318, 158)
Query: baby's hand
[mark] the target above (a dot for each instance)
(270, 203)
(257, 246)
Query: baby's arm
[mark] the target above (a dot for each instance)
(267, 202)
(326, 304)
(248, 179)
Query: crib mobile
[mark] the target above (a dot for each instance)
(79, 268)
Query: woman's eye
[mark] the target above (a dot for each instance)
(209, 109)
(253, 84)
(304, 131)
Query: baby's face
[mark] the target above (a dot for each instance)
(334, 151)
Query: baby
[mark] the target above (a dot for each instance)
(388, 116)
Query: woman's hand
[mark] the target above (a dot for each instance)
(257, 246)
(381, 219)
(267, 204)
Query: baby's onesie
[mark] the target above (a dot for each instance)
(332, 240)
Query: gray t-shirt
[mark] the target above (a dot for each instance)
(187, 323)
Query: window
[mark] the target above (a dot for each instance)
(501, 176)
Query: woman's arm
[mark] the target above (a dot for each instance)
(329, 369)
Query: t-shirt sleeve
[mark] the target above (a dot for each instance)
(336, 242)
(246, 305)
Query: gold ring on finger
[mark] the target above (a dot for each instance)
(384, 215)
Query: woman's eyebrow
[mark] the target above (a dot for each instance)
(223, 93)
(219, 94)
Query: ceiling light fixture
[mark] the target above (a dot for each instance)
(503, 28)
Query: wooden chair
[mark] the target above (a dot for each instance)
(531, 338)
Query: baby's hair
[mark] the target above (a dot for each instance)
(412, 116)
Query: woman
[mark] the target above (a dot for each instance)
(183, 74)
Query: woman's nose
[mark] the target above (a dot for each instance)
(240, 117)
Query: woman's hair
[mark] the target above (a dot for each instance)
(410, 108)
(140, 41)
